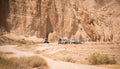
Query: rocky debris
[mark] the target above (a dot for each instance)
(5, 40)
(18, 38)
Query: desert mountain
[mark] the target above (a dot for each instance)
(91, 20)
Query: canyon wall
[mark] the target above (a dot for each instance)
(91, 20)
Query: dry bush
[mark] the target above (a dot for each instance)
(22, 41)
(32, 62)
(36, 61)
(97, 58)
(69, 59)
(7, 64)
(23, 63)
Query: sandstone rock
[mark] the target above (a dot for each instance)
(92, 20)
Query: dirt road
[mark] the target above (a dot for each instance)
(52, 63)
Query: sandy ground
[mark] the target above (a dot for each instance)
(53, 64)
(78, 52)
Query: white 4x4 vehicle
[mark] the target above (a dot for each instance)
(74, 41)
(63, 41)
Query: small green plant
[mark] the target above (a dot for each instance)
(97, 58)
(22, 42)
(69, 59)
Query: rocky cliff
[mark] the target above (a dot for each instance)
(92, 20)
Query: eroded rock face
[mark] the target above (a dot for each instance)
(24, 16)
(92, 20)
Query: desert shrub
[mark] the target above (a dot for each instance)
(93, 58)
(23, 63)
(7, 64)
(69, 59)
(36, 61)
(22, 42)
(112, 61)
(97, 58)
(33, 61)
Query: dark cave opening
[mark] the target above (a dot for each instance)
(4, 12)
